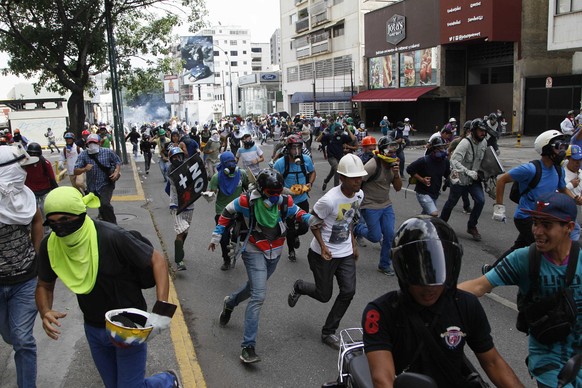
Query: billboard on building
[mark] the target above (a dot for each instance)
(382, 72)
(198, 59)
(419, 68)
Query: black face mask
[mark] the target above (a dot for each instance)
(63, 229)
(177, 161)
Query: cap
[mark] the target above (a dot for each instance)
(452, 120)
(93, 138)
(570, 112)
(554, 207)
(406, 120)
(574, 151)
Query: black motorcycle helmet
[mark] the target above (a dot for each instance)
(426, 252)
(270, 182)
(34, 149)
(435, 143)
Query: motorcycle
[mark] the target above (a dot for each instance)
(354, 372)
(353, 369)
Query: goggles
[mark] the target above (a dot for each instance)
(560, 145)
(273, 192)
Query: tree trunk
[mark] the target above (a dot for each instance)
(76, 108)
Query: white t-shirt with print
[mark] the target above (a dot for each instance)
(337, 212)
(247, 155)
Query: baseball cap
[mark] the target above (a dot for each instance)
(93, 138)
(574, 151)
(570, 112)
(406, 120)
(554, 207)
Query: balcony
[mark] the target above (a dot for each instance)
(302, 25)
(320, 18)
(314, 48)
(321, 47)
(297, 2)
(303, 52)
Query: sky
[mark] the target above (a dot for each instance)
(261, 17)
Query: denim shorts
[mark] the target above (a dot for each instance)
(427, 204)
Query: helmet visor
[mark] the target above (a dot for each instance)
(273, 192)
(425, 262)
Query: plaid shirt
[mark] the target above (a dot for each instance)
(96, 177)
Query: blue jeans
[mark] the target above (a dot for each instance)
(378, 225)
(476, 191)
(122, 367)
(259, 270)
(17, 315)
(427, 204)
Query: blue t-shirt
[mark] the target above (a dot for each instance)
(514, 270)
(548, 183)
(295, 175)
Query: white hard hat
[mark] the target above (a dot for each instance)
(452, 120)
(351, 166)
(406, 120)
(546, 138)
(385, 118)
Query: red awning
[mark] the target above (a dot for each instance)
(400, 94)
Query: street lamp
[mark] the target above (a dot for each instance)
(229, 77)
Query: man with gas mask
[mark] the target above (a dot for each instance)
(552, 148)
(377, 221)
(183, 220)
(265, 211)
(334, 141)
(299, 174)
(429, 171)
(102, 166)
(465, 162)
(20, 235)
(228, 183)
(251, 155)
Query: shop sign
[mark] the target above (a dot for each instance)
(396, 29)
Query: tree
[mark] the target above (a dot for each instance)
(64, 43)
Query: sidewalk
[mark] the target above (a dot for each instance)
(68, 362)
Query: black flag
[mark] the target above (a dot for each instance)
(190, 180)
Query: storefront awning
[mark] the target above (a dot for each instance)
(302, 97)
(400, 94)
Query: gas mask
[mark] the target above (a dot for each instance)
(295, 153)
(177, 160)
(248, 144)
(93, 148)
(63, 229)
(440, 154)
(230, 169)
(558, 151)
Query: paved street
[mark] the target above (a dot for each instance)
(289, 339)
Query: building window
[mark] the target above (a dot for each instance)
(302, 14)
(244, 42)
(306, 71)
(335, 2)
(233, 42)
(256, 50)
(244, 52)
(217, 75)
(565, 6)
(338, 30)
(292, 74)
(342, 65)
(216, 53)
(233, 53)
(226, 42)
(244, 62)
(234, 63)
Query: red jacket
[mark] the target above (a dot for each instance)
(39, 177)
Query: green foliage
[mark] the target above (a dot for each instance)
(64, 42)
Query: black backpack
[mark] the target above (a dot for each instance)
(515, 194)
(548, 319)
(302, 165)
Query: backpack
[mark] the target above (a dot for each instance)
(515, 194)
(302, 165)
(548, 319)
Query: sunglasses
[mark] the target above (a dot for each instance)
(273, 192)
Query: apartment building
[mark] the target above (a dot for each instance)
(322, 50)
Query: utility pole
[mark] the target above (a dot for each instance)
(118, 133)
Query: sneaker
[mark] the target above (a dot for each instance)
(388, 271)
(361, 242)
(324, 186)
(297, 242)
(292, 256)
(293, 295)
(474, 233)
(180, 266)
(249, 356)
(467, 210)
(225, 266)
(486, 268)
(177, 382)
(331, 340)
(225, 313)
